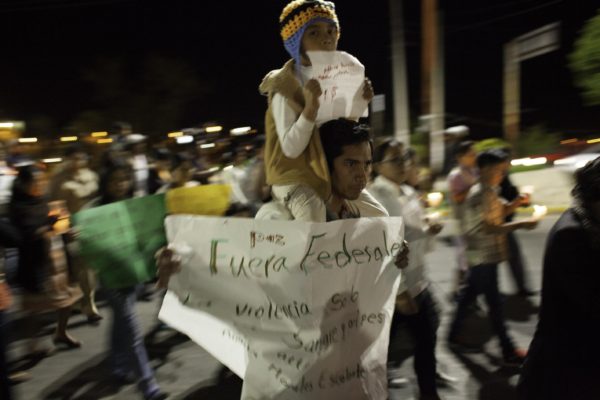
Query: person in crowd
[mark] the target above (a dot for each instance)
(136, 146)
(516, 261)
(77, 185)
(181, 172)
(10, 237)
(159, 174)
(294, 160)
(42, 271)
(460, 180)
(127, 352)
(416, 306)
(7, 177)
(485, 232)
(563, 357)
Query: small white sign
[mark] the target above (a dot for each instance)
(342, 77)
(378, 103)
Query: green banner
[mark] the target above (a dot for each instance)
(119, 240)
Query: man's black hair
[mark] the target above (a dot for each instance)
(491, 157)
(337, 133)
(587, 182)
(463, 148)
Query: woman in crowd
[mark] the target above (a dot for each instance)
(128, 354)
(42, 270)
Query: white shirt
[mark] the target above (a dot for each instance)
(293, 130)
(403, 200)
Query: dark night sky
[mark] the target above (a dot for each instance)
(232, 44)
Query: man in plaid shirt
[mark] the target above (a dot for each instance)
(485, 233)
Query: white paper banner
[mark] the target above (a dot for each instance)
(298, 310)
(341, 76)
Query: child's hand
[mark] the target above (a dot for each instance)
(368, 92)
(312, 92)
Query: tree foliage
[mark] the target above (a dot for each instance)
(584, 61)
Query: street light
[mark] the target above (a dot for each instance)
(68, 139)
(99, 134)
(185, 139)
(243, 130)
(28, 140)
(213, 129)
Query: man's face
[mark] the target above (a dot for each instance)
(492, 175)
(320, 36)
(468, 159)
(351, 170)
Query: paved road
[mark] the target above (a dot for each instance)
(186, 371)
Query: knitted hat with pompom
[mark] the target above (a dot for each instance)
(299, 15)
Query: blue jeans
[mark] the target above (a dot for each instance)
(4, 383)
(483, 279)
(127, 342)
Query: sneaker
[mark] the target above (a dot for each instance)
(398, 382)
(514, 359)
(444, 380)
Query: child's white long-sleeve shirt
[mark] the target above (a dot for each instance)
(293, 130)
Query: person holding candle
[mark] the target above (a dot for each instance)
(76, 185)
(42, 270)
(563, 356)
(128, 354)
(516, 261)
(416, 304)
(460, 180)
(485, 232)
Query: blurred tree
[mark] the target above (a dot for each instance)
(584, 61)
(153, 94)
(535, 140)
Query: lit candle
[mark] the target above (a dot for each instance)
(527, 189)
(434, 217)
(539, 212)
(434, 199)
(61, 225)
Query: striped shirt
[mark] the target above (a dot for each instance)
(484, 204)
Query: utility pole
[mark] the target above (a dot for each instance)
(400, 88)
(432, 93)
